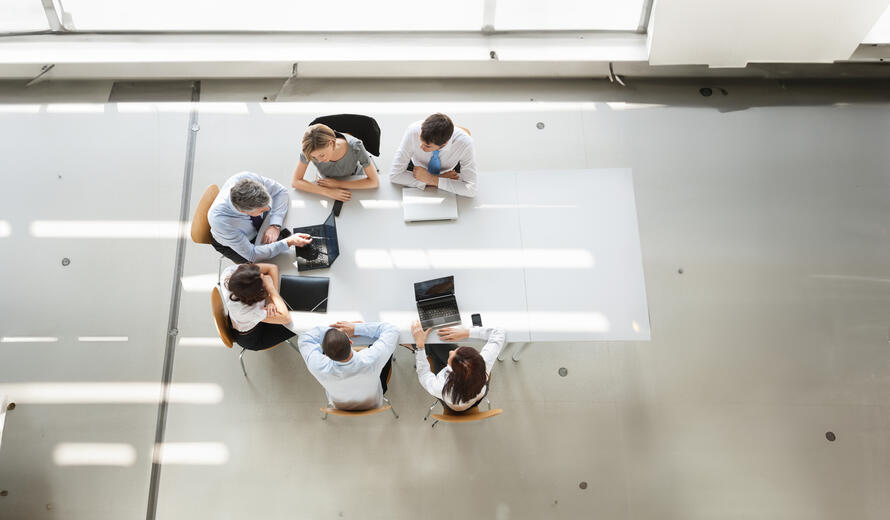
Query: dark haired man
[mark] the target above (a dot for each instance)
(352, 380)
(434, 152)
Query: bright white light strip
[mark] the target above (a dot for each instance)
(200, 342)
(192, 453)
(102, 339)
(298, 204)
(303, 321)
(526, 206)
(19, 109)
(473, 258)
(539, 321)
(380, 204)
(199, 282)
(472, 107)
(223, 108)
(94, 454)
(28, 339)
(620, 105)
(424, 200)
(5, 229)
(108, 228)
(568, 321)
(142, 108)
(123, 392)
(75, 108)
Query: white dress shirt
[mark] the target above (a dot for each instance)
(458, 149)
(433, 383)
(244, 317)
(353, 384)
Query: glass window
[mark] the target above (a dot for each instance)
(22, 16)
(273, 15)
(552, 15)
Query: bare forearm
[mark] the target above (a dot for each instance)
(365, 183)
(310, 187)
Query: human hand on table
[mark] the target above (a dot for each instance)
(453, 334)
(329, 183)
(338, 194)
(348, 327)
(271, 234)
(450, 174)
(424, 176)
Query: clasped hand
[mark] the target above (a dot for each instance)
(348, 327)
(334, 189)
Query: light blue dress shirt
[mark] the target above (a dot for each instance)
(353, 384)
(232, 228)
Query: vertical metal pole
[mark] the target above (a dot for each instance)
(175, 293)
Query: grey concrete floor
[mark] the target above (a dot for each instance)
(773, 204)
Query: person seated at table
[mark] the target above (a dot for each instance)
(238, 212)
(257, 311)
(434, 152)
(352, 380)
(459, 378)
(339, 158)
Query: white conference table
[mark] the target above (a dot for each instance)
(557, 260)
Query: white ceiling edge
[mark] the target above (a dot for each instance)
(305, 48)
(733, 33)
(880, 33)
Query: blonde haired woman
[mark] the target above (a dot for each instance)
(339, 158)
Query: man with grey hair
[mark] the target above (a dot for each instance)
(237, 215)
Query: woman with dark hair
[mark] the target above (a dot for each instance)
(460, 374)
(256, 309)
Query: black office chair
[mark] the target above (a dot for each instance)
(358, 126)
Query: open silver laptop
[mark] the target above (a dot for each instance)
(429, 204)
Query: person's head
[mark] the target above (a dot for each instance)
(246, 285)
(467, 374)
(250, 196)
(336, 345)
(318, 143)
(435, 131)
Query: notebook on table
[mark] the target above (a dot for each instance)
(430, 204)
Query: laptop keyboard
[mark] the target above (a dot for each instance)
(438, 311)
(312, 257)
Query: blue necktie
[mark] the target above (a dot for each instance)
(435, 164)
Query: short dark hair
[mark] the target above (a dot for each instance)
(336, 345)
(246, 285)
(436, 129)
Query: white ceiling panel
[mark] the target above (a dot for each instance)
(22, 16)
(732, 33)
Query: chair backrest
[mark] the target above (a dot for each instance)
(200, 224)
(471, 415)
(220, 318)
(355, 413)
(465, 130)
(356, 125)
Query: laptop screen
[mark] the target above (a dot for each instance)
(330, 234)
(433, 288)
